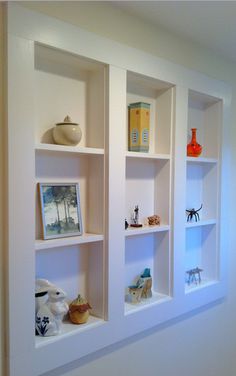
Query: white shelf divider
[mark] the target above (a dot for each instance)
(201, 160)
(68, 149)
(204, 283)
(204, 222)
(133, 154)
(62, 242)
(156, 298)
(68, 329)
(146, 230)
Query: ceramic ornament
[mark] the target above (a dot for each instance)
(50, 314)
(79, 310)
(41, 292)
(67, 132)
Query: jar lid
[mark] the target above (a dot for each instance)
(67, 120)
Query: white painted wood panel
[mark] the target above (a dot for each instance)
(93, 79)
(21, 222)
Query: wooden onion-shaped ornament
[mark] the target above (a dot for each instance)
(79, 310)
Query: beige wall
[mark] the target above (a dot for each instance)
(198, 344)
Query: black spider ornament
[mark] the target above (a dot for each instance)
(193, 213)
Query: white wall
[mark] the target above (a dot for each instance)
(1, 191)
(102, 18)
(204, 342)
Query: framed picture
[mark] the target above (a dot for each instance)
(60, 207)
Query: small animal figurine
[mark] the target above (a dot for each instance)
(41, 291)
(193, 213)
(50, 314)
(79, 310)
(194, 275)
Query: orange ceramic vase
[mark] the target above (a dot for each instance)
(194, 149)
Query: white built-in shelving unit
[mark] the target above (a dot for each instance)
(203, 188)
(148, 183)
(54, 70)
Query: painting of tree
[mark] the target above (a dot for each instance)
(60, 210)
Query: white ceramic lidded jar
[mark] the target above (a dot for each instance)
(67, 132)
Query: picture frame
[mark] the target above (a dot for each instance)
(60, 210)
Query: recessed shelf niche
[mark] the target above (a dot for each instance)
(76, 269)
(202, 252)
(202, 189)
(148, 251)
(159, 95)
(205, 114)
(66, 84)
(88, 171)
(148, 186)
